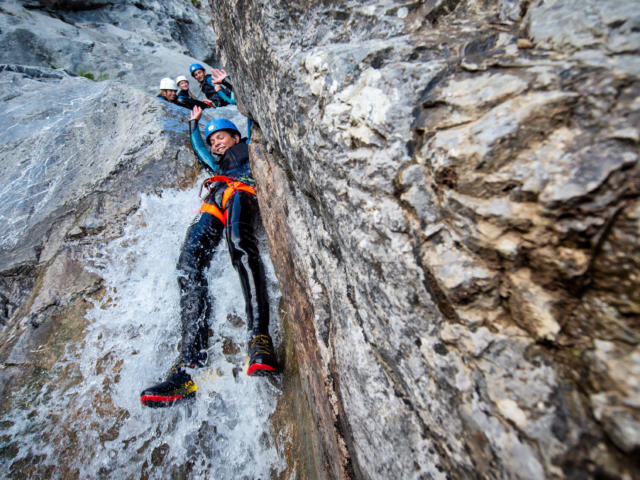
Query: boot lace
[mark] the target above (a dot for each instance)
(261, 344)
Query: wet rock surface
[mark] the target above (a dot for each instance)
(453, 187)
(99, 186)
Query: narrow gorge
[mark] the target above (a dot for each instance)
(449, 191)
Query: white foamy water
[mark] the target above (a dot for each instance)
(85, 420)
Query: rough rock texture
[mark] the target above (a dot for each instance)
(134, 42)
(451, 190)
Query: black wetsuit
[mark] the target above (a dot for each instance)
(201, 241)
(219, 99)
(186, 102)
(186, 93)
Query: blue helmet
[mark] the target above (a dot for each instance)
(194, 67)
(218, 124)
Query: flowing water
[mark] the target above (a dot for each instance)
(84, 419)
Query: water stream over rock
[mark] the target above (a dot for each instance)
(83, 418)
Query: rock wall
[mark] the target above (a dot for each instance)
(450, 190)
(137, 43)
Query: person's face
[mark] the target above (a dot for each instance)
(184, 85)
(222, 140)
(169, 95)
(199, 75)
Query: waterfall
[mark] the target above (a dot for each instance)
(86, 414)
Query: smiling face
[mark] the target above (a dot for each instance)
(199, 75)
(222, 140)
(183, 85)
(169, 94)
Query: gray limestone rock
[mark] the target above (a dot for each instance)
(137, 43)
(459, 189)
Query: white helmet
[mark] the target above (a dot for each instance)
(181, 78)
(167, 84)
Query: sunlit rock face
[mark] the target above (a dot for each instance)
(450, 193)
(450, 190)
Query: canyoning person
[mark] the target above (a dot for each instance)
(168, 90)
(183, 90)
(216, 87)
(229, 209)
(169, 93)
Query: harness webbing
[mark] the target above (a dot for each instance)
(233, 186)
(215, 211)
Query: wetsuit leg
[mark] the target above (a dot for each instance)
(203, 236)
(242, 215)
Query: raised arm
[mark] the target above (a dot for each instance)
(218, 75)
(219, 78)
(231, 100)
(197, 143)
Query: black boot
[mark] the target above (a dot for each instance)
(262, 358)
(178, 386)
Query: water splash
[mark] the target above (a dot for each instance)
(87, 414)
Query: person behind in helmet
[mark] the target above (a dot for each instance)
(183, 87)
(183, 91)
(169, 92)
(229, 209)
(216, 87)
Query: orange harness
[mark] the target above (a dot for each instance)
(233, 186)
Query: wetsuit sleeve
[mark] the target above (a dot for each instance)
(200, 149)
(188, 102)
(202, 105)
(230, 98)
(220, 97)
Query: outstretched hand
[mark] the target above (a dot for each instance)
(196, 113)
(218, 75)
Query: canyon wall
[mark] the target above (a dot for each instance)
(450, 190)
